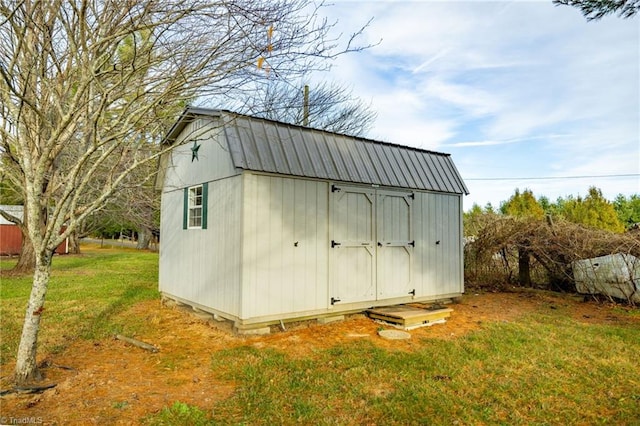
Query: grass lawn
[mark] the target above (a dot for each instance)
(541, 370)
(85, 295)
(545, 367)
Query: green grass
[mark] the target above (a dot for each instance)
(84, 296)
(538, 370)
(541, 369)
(179, 414)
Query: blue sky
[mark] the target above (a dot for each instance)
(510, 89)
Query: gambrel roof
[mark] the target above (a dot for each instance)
(269, 146)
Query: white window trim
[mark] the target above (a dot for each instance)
(191, 207)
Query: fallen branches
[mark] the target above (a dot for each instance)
(138, 343)
(492, 257)
(27, 389)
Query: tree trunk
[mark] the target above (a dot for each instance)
(26, 366)
(144, 238)
(27, 258)
(74, 243)
(524, 267)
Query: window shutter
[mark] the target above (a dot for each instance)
(205, 192)
(185, 209)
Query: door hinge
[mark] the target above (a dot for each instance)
(334, 244)
(412, 195)
(335, 188)
(412, 243)
(413, 292)
(334, 300)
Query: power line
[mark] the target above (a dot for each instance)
(557, 177)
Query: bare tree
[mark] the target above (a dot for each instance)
(331, 106)
(135, 206)
(76, 113)
(553, 244)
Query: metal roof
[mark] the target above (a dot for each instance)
(269, 146)
(13, 210)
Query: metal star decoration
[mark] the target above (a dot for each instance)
(194, 151)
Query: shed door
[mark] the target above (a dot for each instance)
(352, 235)
(394, 244)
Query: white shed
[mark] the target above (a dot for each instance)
(263, 221)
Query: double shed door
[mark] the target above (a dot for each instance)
(371, 244)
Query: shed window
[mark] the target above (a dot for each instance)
(195, 207)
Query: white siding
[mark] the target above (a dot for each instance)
(352, 263)
(203, 265)
(396, 244)
(266, 253)
(438, 263)
(213, 163)
(285, 246)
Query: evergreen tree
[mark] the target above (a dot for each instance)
(523, 205)
(596, 9)
(628, 210)
(593, 211)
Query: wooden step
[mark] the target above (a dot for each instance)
(408, 317)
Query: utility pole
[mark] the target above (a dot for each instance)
(305, 112)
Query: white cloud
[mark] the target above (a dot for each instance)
(512, 89)
(503, 142)
(473, 100)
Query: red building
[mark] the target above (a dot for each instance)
(11, 237)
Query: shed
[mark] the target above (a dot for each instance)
(11, 236)
(263, 221)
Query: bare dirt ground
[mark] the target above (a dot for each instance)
(112, 382)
